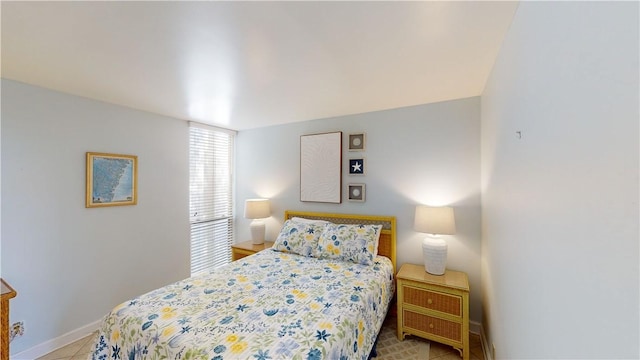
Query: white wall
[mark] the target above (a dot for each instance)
(69, 264)
(428, 154)
(560, 205)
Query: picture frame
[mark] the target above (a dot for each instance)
(356, 166)
(357, 192)
(321, 167)
(111, 180)
(357, 142)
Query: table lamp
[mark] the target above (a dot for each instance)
(257, 209)
(434, 221)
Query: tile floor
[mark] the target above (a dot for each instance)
(82, 348)
(444, 352)
(78, 350)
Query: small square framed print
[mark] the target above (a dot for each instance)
(356, 166)
(356, 142)
(356, 192)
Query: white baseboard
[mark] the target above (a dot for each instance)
(475, 327)
(54, 344)
(486, 348)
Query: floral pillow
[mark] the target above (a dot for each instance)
(298, 237)
(355, 243)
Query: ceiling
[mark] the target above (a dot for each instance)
(243, 65)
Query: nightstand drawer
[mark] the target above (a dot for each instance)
(439, 327)
(449, 304)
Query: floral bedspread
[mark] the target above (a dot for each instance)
(271, 305)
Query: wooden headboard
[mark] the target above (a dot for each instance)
(387, 243)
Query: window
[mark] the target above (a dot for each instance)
(210, 196)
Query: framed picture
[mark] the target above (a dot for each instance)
(321, 167)
(356, 192)
(112, 180)
(356, 166)
(356, 142)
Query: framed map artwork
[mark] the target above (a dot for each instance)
(111, 180)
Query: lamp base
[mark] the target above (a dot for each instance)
(257, 231)
(434, 252)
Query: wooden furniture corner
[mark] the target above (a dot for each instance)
(243, 249)
(7, 294)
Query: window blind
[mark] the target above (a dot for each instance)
(210, 196)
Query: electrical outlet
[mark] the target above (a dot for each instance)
(17, 329)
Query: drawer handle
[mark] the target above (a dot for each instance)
(429, 301)
(431, 326)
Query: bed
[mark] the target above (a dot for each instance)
(321, 292)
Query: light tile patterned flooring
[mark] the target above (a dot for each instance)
(74, 351)
(415, 348)
(389, 348)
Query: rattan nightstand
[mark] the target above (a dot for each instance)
(240, 250)
(434, 307)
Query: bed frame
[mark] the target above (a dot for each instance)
(387, 243)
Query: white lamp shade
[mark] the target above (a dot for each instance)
(257, 209)
(435, 220)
